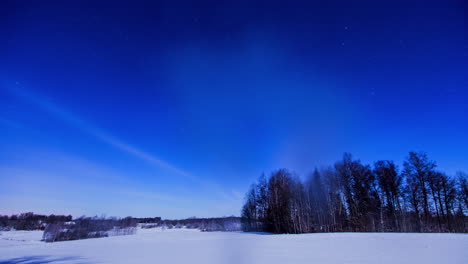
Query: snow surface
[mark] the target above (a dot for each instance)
(191, 246)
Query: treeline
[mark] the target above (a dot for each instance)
(63, 228)
(353, 197)
(89, 227)
(148, 220)
(228, 224)
(30, 221)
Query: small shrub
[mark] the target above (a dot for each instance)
(84, 228)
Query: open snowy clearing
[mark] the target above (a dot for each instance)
(191, 246)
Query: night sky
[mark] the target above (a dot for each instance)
(174, 112)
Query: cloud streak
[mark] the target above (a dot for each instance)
(96, 132)
(90, 129)
(80, 186)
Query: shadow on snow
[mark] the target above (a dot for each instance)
(43, 260)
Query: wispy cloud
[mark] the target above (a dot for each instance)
(81, 186)
(98, 133)
(88, 128)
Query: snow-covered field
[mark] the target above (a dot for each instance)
(190, 246)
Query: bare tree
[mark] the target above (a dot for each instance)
(249, 211)
(418, 167)
(352, 197)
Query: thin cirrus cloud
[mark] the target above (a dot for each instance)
(82, 187)
(100, 189)
(92, 130)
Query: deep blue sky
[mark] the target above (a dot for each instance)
(173, 112)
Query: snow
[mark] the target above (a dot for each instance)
(191, 246)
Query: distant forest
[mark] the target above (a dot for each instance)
(353, 197)
(63, 228)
